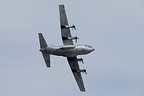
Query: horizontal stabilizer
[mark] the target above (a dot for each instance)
(46, 58)
(43, 44)
(42, 41)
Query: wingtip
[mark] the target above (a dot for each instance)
(61, 5)
(83, 90)
(48, 65)
(39, 33)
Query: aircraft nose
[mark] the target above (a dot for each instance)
(88, 49)
(92, 49)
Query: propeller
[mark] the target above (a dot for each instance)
(73, 27)
(84, 71)
(76, 38)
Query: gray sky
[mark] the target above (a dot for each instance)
(115, 28)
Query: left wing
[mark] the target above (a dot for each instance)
(65, 31)
(76, 72)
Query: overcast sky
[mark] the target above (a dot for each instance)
(115, 28)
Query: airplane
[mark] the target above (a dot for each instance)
(68, 50)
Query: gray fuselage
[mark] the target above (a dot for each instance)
(68, 50)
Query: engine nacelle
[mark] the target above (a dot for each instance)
(82, 70)
(80, 59)
(67, 26)
(70, 38)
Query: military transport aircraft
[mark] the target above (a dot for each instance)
(68, 50)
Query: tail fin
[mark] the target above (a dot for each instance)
(43, 44)
(42, 41)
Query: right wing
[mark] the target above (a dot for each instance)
(65, 32)
(75, 70)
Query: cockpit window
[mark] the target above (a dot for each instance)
(88, 46)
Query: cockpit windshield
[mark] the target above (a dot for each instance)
(88, 46)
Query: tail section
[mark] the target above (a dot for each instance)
(42, 41)
(43, 46)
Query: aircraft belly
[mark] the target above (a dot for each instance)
(64, 52)
(67, 52)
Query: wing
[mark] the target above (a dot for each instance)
(74, 67)
(65, 32)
